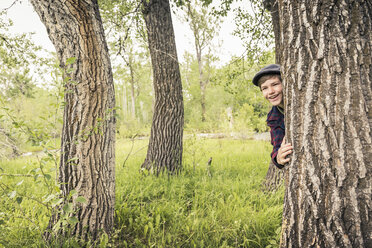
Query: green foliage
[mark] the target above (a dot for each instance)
(247, 119)
(31, 121)
(203, 24)
(18, 54)
(253, 25)
(15, 49)
(255, 29)
(28, 182)
(27, 197)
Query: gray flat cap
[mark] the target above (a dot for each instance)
(269, 69)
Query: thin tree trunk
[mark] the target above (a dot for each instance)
(165, 146)
(202, 82)
(132, 93)
(272, 6)
(129, 63)
(125, 101)
(87, 162)
(203, 87)
(327, 62)
(199, 41)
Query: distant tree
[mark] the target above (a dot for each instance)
(87, 163)
(204, 27)
(165, 145)
(125, 28)
(327, 60)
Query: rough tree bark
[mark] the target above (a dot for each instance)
(87, 149)
(327, 62)
(165, 146)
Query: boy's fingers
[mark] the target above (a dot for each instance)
(287, 153)
(287, 145)
(283, 161)
(289, 148)
(286, 160)
(285, 148)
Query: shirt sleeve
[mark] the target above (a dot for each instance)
(277, 133)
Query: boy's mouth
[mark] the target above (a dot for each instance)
(274, 97)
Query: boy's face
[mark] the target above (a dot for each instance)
(272, 90)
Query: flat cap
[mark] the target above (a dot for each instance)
(269, 69)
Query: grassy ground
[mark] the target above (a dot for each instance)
(220, 206)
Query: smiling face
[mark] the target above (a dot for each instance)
(272, 90)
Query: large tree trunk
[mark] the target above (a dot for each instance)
(165, 146)
(327, 62)
(88, 136)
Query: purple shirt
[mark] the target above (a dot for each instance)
(275, 120)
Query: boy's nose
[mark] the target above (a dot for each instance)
(271, 90)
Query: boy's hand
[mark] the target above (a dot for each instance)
(284, 150)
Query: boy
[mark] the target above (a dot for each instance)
(270, 83)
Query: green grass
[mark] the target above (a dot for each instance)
(192, 209)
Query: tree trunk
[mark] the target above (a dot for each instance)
(327, 69)
(203, 87)
(88, 136)
(125, 101)
(129, 62)
(202, 82)
(165, 146)
(274, 178)
(272, 6)
(132, 93)
(199, 44)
